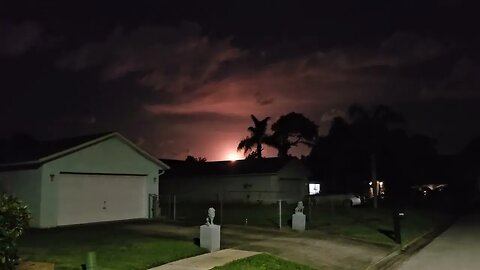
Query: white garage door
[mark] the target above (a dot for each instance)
(85, 198)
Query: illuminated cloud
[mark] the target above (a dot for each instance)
(204, 89)
(171, 60)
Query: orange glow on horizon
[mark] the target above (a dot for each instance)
(233, 156)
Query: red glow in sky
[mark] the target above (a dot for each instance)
(164, 80)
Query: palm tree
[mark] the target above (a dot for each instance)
(257, 137)
(371, 129)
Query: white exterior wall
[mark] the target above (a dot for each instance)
(289, 184)
(241, 188)
(25, 185)
(267, 188)
(111, 156)
(292, 189)
(254, 188)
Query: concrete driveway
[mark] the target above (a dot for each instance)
(457, 248)
(325, 253)
(317, 251)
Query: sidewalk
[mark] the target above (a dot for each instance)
(207, 261)
(398, 256)
(457, 248)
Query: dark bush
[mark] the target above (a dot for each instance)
(14, 217)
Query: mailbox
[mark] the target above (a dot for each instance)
(397, 216)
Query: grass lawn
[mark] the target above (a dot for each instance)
(115, 247)
(374, 225)
(262, 262)
(362, 223)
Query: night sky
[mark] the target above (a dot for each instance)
(181, 78)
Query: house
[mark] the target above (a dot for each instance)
(265, 180)
(94, 178)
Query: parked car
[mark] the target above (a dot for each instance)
(353, 200)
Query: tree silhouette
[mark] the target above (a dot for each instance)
(257, 137)
(467, 182)
(368, 145)
(195, 159)
(371, 128)
(290, 130)
(337, 160)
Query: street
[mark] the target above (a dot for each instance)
(457, 248)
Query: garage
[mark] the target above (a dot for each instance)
(94, 178)
(87, 198)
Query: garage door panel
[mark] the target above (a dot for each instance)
(97, 198)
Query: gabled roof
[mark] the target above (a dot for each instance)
(34, 153)
(180, 168)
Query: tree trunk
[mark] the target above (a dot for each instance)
(259, 150)
(373, 168)
(282, 152)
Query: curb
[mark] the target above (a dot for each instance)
(412, 246)
(397, 251)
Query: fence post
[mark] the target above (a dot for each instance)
(169, 213)
(309, 207)
(280, 214)
(332, 206)
(174, 207)
(221, 209)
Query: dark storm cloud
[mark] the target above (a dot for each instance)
(400, 49)
(408, 49)
(189, 88)
(177, 61)
(321, 84)
(463, 82)
(17, 38)
(183, 65)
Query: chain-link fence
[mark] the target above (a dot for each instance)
(191, 209)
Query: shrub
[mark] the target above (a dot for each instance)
(14, 217)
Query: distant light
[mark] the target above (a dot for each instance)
(370, 183)
(313, 189)
(233, 156)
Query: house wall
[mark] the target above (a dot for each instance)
(231, 188)
(265, 188)
(111, 156)
(294, 169)
(293, 178)
(249, 188)
(25, 185)
(292, 189)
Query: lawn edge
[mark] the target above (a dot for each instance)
(411, 247)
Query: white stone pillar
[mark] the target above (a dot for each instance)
(298, 222)
(210, 237)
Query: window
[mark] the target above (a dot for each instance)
(313, 189)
